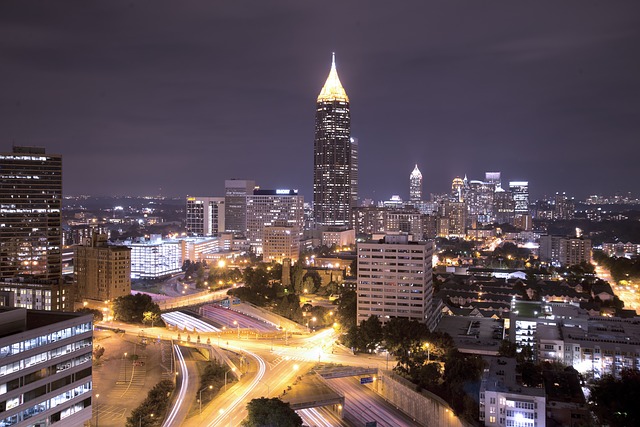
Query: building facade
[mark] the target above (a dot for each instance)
(266, 208)
(155, 258)
(505, 403)
(335, 165)
(39, 294)
(281, 241)
(101, 272)
(235, 204)
(45, 368)
(395, 280)
(30, 213)
(415, 185)
(564, 251)
(205, 215)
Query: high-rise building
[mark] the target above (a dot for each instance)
(335, 153)
(30, 213)
(395, 280)
(565, 251)
(457, 187)
(503, 206)
(46, 368)
(205, 215)
(520, 191)
(267, 208)
(565, 207)
(101, 272)
(155, 258)
(235, 199)
(415, 185)
(280, 241)
(493, 178)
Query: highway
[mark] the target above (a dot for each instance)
(273, 366)
(181, 404)
(363, 405)
(184, 321)
(231, 319)
(320, 417)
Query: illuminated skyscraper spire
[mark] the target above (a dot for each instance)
(335, 156)
(332, 89)
(415, 185)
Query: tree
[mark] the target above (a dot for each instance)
(131, 308)
(264, 412)
(347, 309)
(507, 349)
(97, 314)
(150, 317)
(614, 400)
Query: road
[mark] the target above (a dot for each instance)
(626, 290)
(231, 319)
(186, 389)
(363, 405)
(273, 366)
(321, 417)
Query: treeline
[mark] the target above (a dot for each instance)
(151, 412)
(620, 268)
(428, 359)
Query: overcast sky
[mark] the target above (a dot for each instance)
(172, 97)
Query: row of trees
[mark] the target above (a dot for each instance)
(620, 268)
(151, 412)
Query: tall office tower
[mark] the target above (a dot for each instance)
(101, 272)
(30, 213)
(457, 186)
(503, 206)
(493, 178)
(235, 204)
(205, 215)
(415, 185)
(46, 372)
(520, 190)
(354, 172)
(395, 280)
(565, 207)
(268, 208)
(333, 156)
(456, 212)
(479, 201)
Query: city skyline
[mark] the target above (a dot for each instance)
(146, 100)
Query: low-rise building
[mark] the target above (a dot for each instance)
(506, 403)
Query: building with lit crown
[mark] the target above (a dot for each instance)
(45, 368)
(335, 165)
(30, 213)
(415, 185)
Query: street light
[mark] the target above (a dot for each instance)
(97, 409)
(235, 322)
(125, 366)
(210, 388)
(428, 349)
(140, 419)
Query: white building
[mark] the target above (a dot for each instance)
(504, 402)
(205, 215)
(395, 279)
(155, 258)
(45, 368)
(266, 208)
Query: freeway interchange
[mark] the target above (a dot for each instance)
(273, 365)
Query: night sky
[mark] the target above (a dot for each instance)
(172, 97)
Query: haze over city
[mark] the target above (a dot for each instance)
(150, 98)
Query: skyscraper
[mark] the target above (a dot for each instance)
(205, 215)
(334, 156)
(415, 185)
(235, 200)
(30, 213)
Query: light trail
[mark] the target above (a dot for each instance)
(220, 418)
(184, 321)
(184, 384)
(313, 418)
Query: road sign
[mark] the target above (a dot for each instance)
(366, 380)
